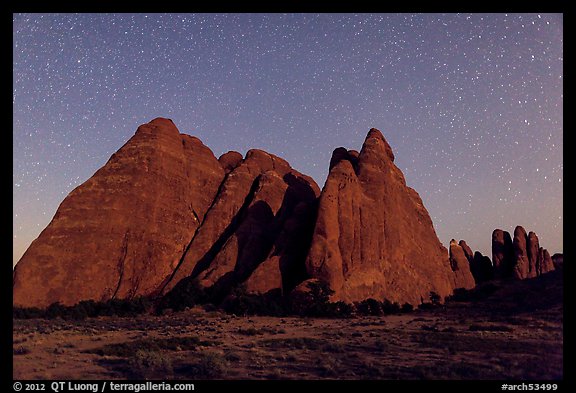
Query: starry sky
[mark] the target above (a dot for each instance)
(472, 104)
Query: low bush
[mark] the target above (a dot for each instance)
(87, 308)
(207, 365)
(186, 294)
(146, 364)
(239, 302)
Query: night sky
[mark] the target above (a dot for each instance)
(472, 104)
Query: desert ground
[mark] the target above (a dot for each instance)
(514, 332)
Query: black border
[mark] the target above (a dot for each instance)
(308, 6)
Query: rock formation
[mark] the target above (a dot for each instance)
(521, 258)
(521, 265)
(502, 253)
(558, 260)
(467, 251)
(165, 209)
(481, 268)
(256, 226)
(461, 265)
(545, 263)
(163, 216)
(122, 232)
(373, 237)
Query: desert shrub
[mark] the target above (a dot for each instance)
(27, 312)
(294, 343)
(122, 307)
(478, 293)
(315, 302)
(460, 295)
(208, 365)
(406, 308)
(328, 367)
(126, 349)
(249, 331)
(342, 309)
(146, 364)
(390, 308)
(426, 306)
(435, 298)
(369, 307)
(55, 310)
(187, 293)
(239, 302)
(87, 308)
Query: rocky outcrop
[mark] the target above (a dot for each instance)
(545, 263)
(521, 265)
(461, 265)
(558, 260)
(467, 251)
(255, 230)
(502, 253)
(373, 237)
(164, 209)
(165, 217)
(481, 267)
(230, 160)
(122, 232)
(521, 258)
(533, 250)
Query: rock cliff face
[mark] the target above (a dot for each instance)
(164, 209)
(461, 265)
(255, 230)
(163, 215)
(122, 232)
(373, 237)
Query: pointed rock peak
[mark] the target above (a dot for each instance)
(339, 154)
(375, 137)
(453, 242)
(230, 160)
(520, 231)
(375, 133)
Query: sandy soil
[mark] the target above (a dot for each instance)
(494, 339)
